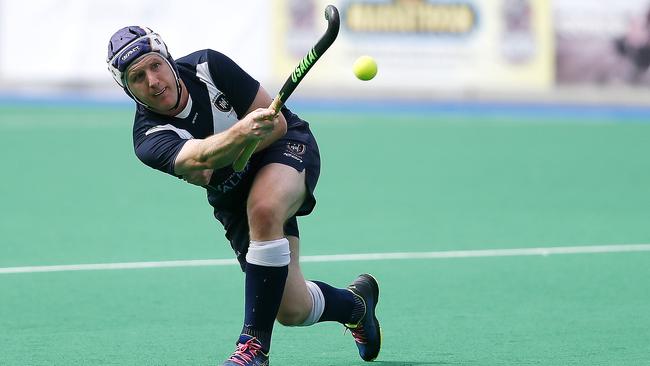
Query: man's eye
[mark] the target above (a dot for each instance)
(137, 77)
(155, 65)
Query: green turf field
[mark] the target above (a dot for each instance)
(73, 193)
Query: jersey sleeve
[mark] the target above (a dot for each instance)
(239, 87)
(158, 147)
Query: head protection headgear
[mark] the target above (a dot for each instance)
(129, 44)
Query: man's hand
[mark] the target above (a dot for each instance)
(198, 177)
(258, 124)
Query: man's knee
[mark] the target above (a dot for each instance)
(292, 315)
(264, 217)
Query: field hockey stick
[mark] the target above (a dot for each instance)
(333, 23)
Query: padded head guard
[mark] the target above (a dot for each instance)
(129, 44)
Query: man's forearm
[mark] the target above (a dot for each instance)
(220, 150)
(212, 152)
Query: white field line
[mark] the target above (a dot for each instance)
(345, 257)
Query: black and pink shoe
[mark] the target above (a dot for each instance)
(366, 333)
(248, 353)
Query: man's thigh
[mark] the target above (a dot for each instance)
(277, 193)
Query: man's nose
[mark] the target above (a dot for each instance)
(152, 80)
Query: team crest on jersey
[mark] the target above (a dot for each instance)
(221, 103)
(296, 148)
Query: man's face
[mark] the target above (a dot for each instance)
(152, 81)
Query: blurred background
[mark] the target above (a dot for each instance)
(531, 50)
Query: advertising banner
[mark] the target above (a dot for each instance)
(602, 43)
(423, 44)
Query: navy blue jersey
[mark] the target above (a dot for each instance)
(220, 94)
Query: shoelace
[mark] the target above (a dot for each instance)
(246, 352)
(358, 333)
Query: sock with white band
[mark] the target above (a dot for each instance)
(267, 267)
(318, 304)
(340, 305)
(272, 253)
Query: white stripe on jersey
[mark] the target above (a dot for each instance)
(221, 120)
(184, 134)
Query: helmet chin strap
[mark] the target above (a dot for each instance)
(179, 89)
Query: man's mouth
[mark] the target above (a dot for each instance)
(160, 92)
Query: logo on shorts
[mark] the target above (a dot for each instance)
(296, 148)
(232, 181)
(221, 103)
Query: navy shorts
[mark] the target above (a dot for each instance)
(229, 190)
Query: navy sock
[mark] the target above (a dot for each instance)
(341, 305)
(264, 289)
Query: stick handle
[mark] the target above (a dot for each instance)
(245, 155)
(248, 151)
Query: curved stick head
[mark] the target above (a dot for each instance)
(332, 16)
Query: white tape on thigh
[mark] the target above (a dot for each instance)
(318, 301)
(272, 253)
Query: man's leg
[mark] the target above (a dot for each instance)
(298, 303)
(308, 302)
(276, 194)
(305, 303)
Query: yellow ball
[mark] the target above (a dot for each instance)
(365, 68)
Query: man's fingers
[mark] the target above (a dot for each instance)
(264, 114)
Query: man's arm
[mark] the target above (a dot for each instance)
(222, 149)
